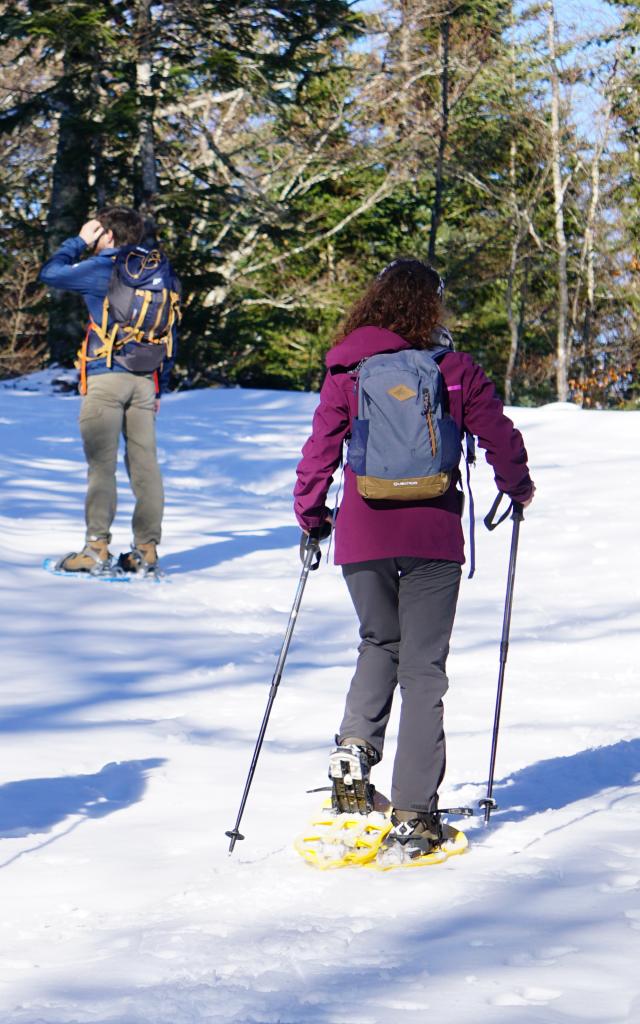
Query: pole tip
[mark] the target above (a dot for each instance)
(489, 805)
(233, 835)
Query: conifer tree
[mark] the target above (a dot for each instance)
(116, 65)
(286, 152)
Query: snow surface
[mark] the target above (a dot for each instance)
(130, 711)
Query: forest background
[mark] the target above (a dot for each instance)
(287, 151)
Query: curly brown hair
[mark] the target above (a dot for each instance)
(405, 297)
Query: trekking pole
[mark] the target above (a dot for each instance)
(311, 551)
(517, 515)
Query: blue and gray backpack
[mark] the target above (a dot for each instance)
(404, 446)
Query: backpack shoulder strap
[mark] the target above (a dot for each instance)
(470, 459)
(438, 353)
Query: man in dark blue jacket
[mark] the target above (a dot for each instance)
(123, 371)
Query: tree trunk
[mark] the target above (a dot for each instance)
(67, 212)
(514, 327)
(588, 251)
(436, 208)
(513, 320)
(406, 104)
(147, 175)
(590, 244)
(562, 360)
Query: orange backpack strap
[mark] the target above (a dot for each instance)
(81, 361)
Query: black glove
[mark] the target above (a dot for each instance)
(312, 539)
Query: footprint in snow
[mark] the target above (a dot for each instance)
(623, 850)
(526, 997)
(542, 957)
(621, 883)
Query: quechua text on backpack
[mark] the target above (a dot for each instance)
(404, 446)
(139, 312)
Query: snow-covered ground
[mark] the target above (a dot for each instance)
(129, 714)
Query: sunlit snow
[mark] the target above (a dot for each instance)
(129, 714)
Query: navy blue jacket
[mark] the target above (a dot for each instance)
(90, 278)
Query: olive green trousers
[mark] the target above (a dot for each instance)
(121, 404)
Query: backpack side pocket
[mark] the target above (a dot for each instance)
(357, 450)
(451, 443)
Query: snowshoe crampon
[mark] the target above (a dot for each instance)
(107, 574)
(335, 840)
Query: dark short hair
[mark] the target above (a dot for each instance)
(126, 224)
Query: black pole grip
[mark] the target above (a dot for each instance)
(515, 508)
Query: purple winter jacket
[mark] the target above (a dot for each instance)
(423, 529)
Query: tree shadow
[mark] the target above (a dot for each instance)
(559, 781)
(38, 805)
(234, 545)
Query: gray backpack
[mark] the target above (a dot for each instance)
(403, 445)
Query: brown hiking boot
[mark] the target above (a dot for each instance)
(95, 557)
(142, 558)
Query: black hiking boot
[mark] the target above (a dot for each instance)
(413, 834)
(350, 764)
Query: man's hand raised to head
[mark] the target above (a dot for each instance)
(91, 231)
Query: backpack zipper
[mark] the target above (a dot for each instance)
(429, 417)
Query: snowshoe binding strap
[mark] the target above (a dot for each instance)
(349, 768)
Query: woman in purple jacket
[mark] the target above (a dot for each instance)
(401, 560)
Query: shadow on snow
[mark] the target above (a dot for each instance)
(560, 781)
(38, 805)
(232, 546)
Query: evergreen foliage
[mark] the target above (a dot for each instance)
(284, 153)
